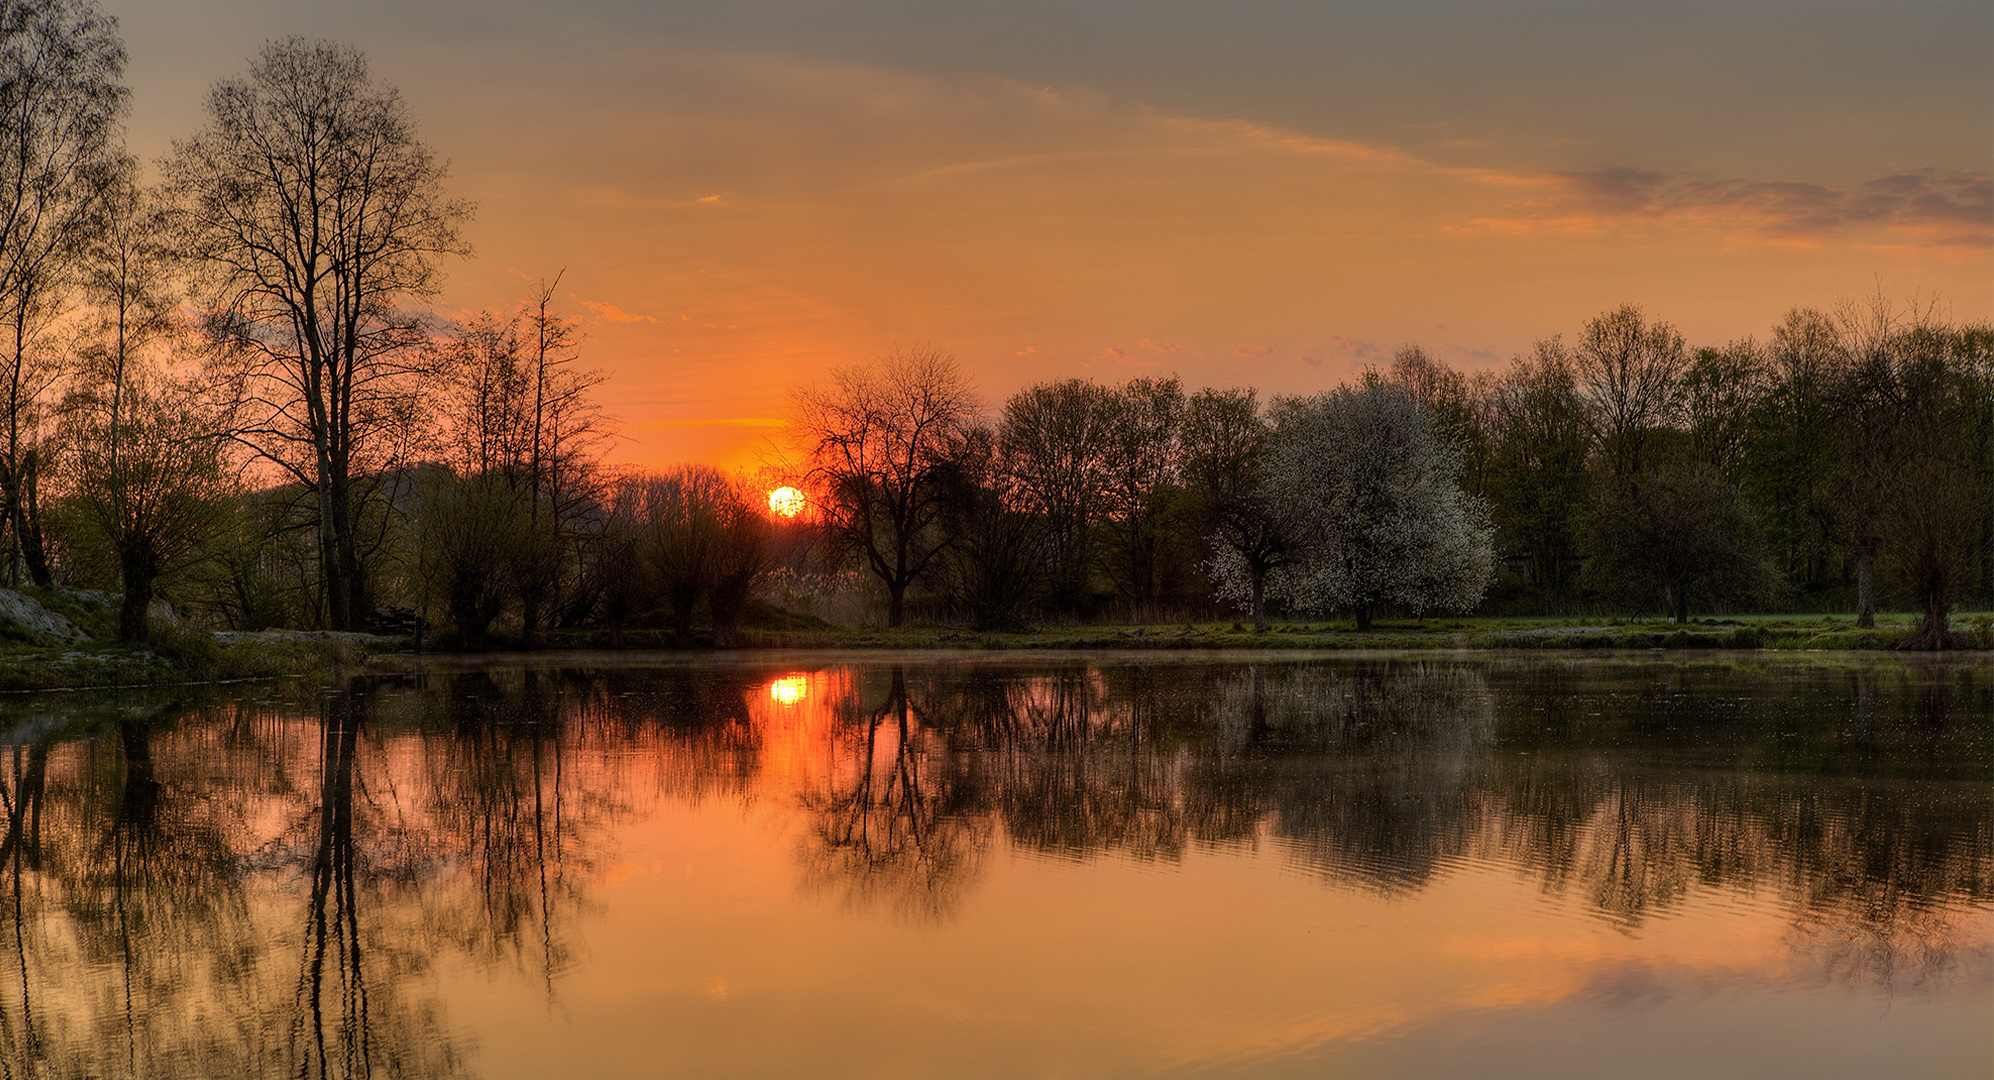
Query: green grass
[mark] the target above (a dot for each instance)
(1776, 633)
(172, 658)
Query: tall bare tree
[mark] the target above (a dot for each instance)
(884, 442)
(62, 95)
(1140, 474)
(520, 411)
(317, 215)
(1052, 442)
(1630, 371)
(128, 281)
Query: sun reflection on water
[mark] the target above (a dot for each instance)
(789, 690)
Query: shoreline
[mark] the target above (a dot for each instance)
(195, 659)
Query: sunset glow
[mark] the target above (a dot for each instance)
(746, 196)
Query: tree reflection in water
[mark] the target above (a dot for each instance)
(272, 885)
(249, 889)
(895, 821)
(1627, 786)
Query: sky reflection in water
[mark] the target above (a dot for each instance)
(1371, 866)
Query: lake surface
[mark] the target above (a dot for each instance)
(1111, 866)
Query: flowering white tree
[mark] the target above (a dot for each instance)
(1369, 484)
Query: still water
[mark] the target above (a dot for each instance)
(783, 866)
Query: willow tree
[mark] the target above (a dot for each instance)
(318, 216)
(148, 483)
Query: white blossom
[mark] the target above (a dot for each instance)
(1369, 482)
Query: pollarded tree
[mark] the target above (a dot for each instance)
(467, 529)
(316, 214)
(1378, 513)
(684, 540)
(885, 443)
(148, 488)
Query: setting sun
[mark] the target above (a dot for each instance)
(786, 501)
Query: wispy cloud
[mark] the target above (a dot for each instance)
(1939, 207)
(612, 313)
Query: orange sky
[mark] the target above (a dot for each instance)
(1278, 196)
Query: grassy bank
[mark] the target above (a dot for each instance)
(174, 655)
(163, 663)
(191, 656)
(1794, 633)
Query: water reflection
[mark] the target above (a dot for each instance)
(275, 884)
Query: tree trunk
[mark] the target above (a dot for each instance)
(134, 623)
(1866, 588)
(682, 621)
(338, 557)
(1363, 612)
(1259, 600)
(896, 604)
(529, 622)
(30, 524)
(22, 516)
(1934, 631)
(1679, 601)
(330, 583)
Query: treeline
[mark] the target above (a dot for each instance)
(1847, 456)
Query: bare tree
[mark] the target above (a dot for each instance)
(998, 561)
(519, 410)
(568, 432)
(1537, 479)
(1140, 475)
(128, 279)
(1630, 371)
(316, 214)
(1052, 442)
(150, 488)
(62, 95)
(884, 442)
